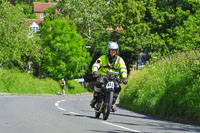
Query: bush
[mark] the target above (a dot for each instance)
(168, 88)
(73, 87)
(14, 81)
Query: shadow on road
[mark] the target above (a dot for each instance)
(134, 116)
(167, 126)
(158, 123)
(114, 131)
(80, 116)
(149, 122)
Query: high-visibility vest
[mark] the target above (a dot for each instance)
(102, 65)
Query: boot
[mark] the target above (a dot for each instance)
(113, 108)
(94, 100)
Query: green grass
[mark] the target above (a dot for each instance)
(169, 89)
(14, 81)
(75, 88)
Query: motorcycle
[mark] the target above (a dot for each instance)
(105, 98)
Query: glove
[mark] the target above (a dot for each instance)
(125, 81)
(95, 74)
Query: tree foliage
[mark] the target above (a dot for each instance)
(158, 27)
(31, 1)
(64, 52)
(155, 26)
(89, 17)
(17, 48)
(28, 10)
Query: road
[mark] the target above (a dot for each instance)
(72, 114)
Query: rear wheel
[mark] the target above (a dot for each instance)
(107, 106)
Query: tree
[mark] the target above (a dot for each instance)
(63, 50)
(31, 1)
(89, 18)
(148, 25)
(16, 46)
(27, 9)
(188, 34)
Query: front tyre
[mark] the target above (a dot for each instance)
(108, 105)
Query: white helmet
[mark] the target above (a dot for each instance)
(113, 45)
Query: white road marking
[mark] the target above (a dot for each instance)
(57, 105)
(121, 127)
(74, 113)
(61, 108)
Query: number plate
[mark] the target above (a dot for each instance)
(110, 85)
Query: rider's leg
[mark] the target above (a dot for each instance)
(115, 96)
(94, 100)
(114, 101)
(96, 92)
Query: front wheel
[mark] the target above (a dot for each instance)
(108, 105)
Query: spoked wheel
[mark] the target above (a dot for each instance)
(107, 106)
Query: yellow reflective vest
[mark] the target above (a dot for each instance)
(102, 65)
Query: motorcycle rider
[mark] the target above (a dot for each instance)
(110, 62)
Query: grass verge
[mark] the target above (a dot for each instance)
(14, 81)
(168, 89)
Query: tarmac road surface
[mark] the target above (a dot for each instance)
(72, 114)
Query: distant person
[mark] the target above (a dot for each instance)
(63, 86)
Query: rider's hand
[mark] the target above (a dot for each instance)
(95, 74)
(125, 81)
